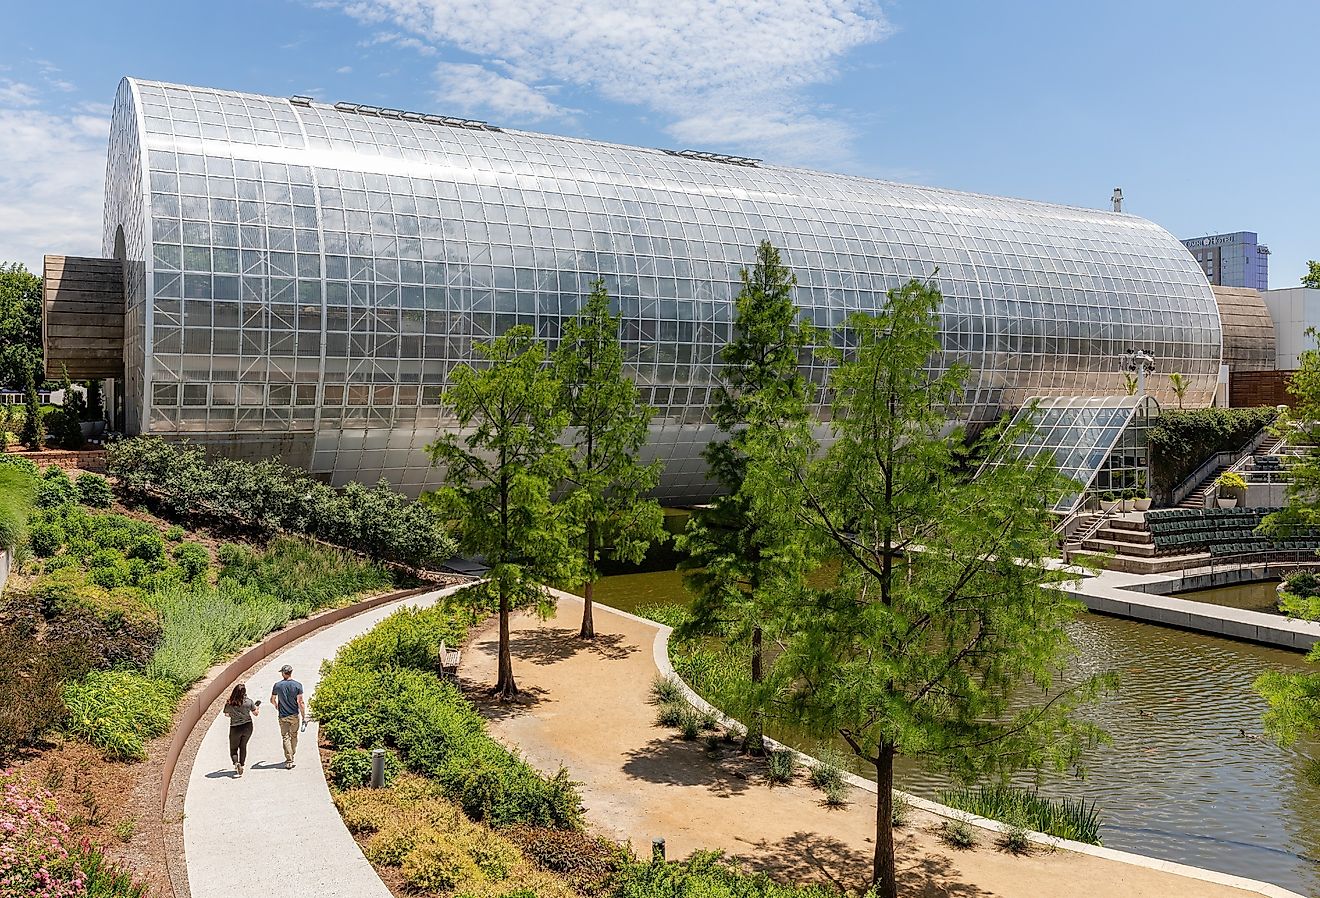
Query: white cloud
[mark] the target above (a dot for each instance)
(392, 38)
(722, 73)
(472, 88)
(344, 70)
(52, 168)
(16, 93)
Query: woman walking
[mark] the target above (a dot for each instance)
(240, 710)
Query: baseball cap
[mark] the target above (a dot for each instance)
(288, 668)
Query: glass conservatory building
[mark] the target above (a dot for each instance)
(300, 278)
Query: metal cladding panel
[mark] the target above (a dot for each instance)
(318, 269)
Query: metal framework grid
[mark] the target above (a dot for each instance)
(304, 271)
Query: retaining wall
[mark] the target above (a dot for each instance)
(6, 562)
(222, 680)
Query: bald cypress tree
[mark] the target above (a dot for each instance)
(607, 423)
(940, 616)
(738, 553)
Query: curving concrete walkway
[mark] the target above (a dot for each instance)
(276, 831)
(586, 706)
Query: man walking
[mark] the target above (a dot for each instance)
(287, 697)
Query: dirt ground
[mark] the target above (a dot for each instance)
(587, 706)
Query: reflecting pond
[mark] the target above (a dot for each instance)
(1260, 595)
(1180, 782)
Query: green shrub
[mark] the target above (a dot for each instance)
(118, 710)
(1067, 818)
(351, 768)
(94, 491)
(826, 772)
(705, 874)
(1181, 440)
(836, 794)
(666, 689)
(958, 834)
(111, 626)
(109, 568)
(148, 546)
(781, 765)
(690, 728)
(54, 489)
(499, 788)
(673, 715)
(174, 533)
(900, 810)
(1015, 840)
(194, 561)
(410, 637)
(585, 861)
(45, 539)
(270, 496)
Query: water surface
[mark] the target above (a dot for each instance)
(1180, 781)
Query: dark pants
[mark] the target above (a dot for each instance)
(238, 740)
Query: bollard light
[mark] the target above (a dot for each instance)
(657, 849)
(378, 768)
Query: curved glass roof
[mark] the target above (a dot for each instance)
(358, 254)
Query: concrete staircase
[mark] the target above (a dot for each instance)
(1128, 546)
(1200, 496)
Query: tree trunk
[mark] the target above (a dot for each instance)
(882, 864)
(755, 742)
(588, 630)
(505, 688)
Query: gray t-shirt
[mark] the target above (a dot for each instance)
(241, 713)
(286, 692)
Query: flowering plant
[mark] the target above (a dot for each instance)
(38, 857)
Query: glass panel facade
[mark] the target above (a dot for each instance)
(1099, 442)
(315, 273)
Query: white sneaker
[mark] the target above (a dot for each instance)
(288, 765)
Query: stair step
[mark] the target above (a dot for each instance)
(1095, 544)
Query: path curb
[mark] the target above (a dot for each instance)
(188, 716)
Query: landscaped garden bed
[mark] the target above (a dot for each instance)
(110, 615)
(461, 814)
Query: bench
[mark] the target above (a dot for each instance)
(448, 660)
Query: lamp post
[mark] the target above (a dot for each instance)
(1140, 363)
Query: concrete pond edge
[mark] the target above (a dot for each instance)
(662, 663)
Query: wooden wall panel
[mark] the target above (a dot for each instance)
(82, 320)
(1247, 389)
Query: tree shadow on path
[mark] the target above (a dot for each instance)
(550, 645)
(673, 762)
(812, 857)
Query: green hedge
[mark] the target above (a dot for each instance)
(1181, 440)
(383, 690)
(270, 496)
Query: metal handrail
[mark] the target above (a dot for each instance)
(1225, 459)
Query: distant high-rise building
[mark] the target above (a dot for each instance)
(1232, 260)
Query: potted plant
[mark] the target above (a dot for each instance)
(1142, 501)
(1129, 499)
(1229, 484)
(1108, 502)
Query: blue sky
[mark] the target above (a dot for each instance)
(1204, 112)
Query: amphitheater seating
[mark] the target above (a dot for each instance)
(1221, 531)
